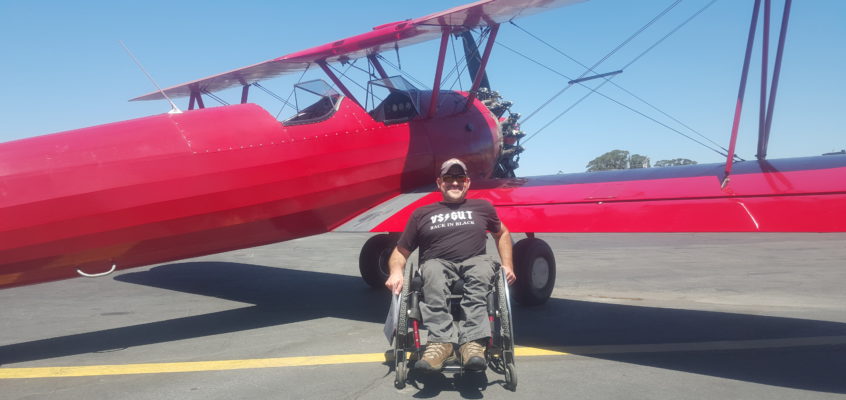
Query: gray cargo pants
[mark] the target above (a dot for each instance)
(438, 276)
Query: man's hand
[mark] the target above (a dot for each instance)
(509, 274)
(396, 265)
(394, 283)
(503, 245)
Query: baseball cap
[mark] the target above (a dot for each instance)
(449, 163)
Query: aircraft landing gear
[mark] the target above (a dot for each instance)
(535, 269)
(373, 259)
(533, 261)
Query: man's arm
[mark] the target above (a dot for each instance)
(396, 264)
(503, 246)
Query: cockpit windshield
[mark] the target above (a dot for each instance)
(315, 101)
(317, 87)
(401, 99)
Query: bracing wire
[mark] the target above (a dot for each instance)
(343, 73)
(369, 73)
(612, 52)
(608, 80)
(627, 65)
(595, 90)
(286, 102)
(403, 73)
(455, 60)
(463, 65)
(271, 93)
(215, 97)
(696, 14)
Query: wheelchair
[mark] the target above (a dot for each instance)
(499, 351)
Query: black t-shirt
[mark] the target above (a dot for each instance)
(450, 231)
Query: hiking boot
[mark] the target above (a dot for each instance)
(473, 356)
(434, 357)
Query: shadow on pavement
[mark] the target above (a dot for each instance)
(607, 331)
(279, 296)
(760, 349)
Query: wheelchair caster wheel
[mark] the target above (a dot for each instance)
(401, 375)
(511, 377)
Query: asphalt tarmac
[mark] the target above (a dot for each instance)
(633, 316)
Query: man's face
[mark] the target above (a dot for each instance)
(454, 184)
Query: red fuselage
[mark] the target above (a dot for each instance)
(173, 186)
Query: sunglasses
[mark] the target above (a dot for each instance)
(454, 178)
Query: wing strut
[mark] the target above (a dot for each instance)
(766, 117)
(338, 83)
(762, 144)
(436, 87)
(481, 72)
(742, 90)
(195, 97)
(375, 61)
(245, 93)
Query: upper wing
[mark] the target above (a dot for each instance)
(788, 195)
(388, 36)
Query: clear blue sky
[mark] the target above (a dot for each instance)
(64, 69)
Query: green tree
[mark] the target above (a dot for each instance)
(638, 161)
(674, 162)
(614, 159)
(618, 159)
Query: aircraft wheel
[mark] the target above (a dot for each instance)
(535, 266)
(373, 259)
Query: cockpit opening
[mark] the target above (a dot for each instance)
(320, 100)
(401, 100)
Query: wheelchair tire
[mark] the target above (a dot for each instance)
(535, 266)
(506, 331)
(511, 377)
(373, 259)
(402, 375)
(504, 308)
(401, 341)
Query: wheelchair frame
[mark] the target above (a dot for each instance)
(499, 351)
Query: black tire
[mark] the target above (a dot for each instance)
(504, 308)
(511, 377)
(373, 259)
(401, 340)
(535, 266)
(402, 375)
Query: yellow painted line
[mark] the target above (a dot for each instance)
(520, 351)
(158, 368)
(534, 351)
(226, 365)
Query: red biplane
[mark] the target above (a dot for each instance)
(213, 179)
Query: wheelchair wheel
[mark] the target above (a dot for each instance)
(401, 337)
(506, 331)
(504, 308)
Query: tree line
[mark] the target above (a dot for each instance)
(621, 159)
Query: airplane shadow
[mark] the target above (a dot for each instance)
(751, 348)
(599, 330)
(279, 296)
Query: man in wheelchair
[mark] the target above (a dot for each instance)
(451, 235)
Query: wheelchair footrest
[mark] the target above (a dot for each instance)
(452, 366)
